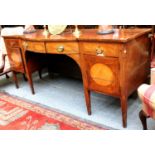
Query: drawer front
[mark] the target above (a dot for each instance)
(12, 43)
(101, 49)
(102, 74)
(15, 59)
(62, 47)
(38, 47)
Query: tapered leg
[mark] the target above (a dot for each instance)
(28, 66)
(87, 98)
(50, 73)
(15, 79)
(143, 118)
(24, 77)
(31, 85)
(40, 75)
(29, 77)
(124, 110)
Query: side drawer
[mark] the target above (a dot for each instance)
(34, 46)
(62, 47)
(15, 59)
(101, 49)
(12, 43)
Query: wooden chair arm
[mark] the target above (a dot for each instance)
(2, 59)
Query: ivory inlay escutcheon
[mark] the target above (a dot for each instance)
(101, 74)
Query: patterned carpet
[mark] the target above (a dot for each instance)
(16, 114)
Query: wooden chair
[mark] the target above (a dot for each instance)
(5, 67)
(2, 63)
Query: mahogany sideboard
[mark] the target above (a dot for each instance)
(113, 64)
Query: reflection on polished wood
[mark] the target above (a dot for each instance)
(113, 64)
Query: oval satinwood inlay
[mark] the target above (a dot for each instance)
(15, 57)
(102, 74)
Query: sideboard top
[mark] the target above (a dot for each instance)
(119, 35)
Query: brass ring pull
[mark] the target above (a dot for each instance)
(99, 52)
(60, 48)
(25, 44)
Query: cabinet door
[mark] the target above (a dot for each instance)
(15, 59)
(102, 74)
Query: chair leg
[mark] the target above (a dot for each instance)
(143, 118)
(2, 62)
(7, 76)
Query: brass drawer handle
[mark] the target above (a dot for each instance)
(60, 48)
(99, 52)
(25, 44)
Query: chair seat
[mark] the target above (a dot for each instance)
(147, 95)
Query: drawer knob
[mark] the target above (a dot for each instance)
(99, 52)
(60, 48)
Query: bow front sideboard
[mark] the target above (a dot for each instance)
(112, 64)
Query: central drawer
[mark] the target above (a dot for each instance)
(62, 47)
(101, 49)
